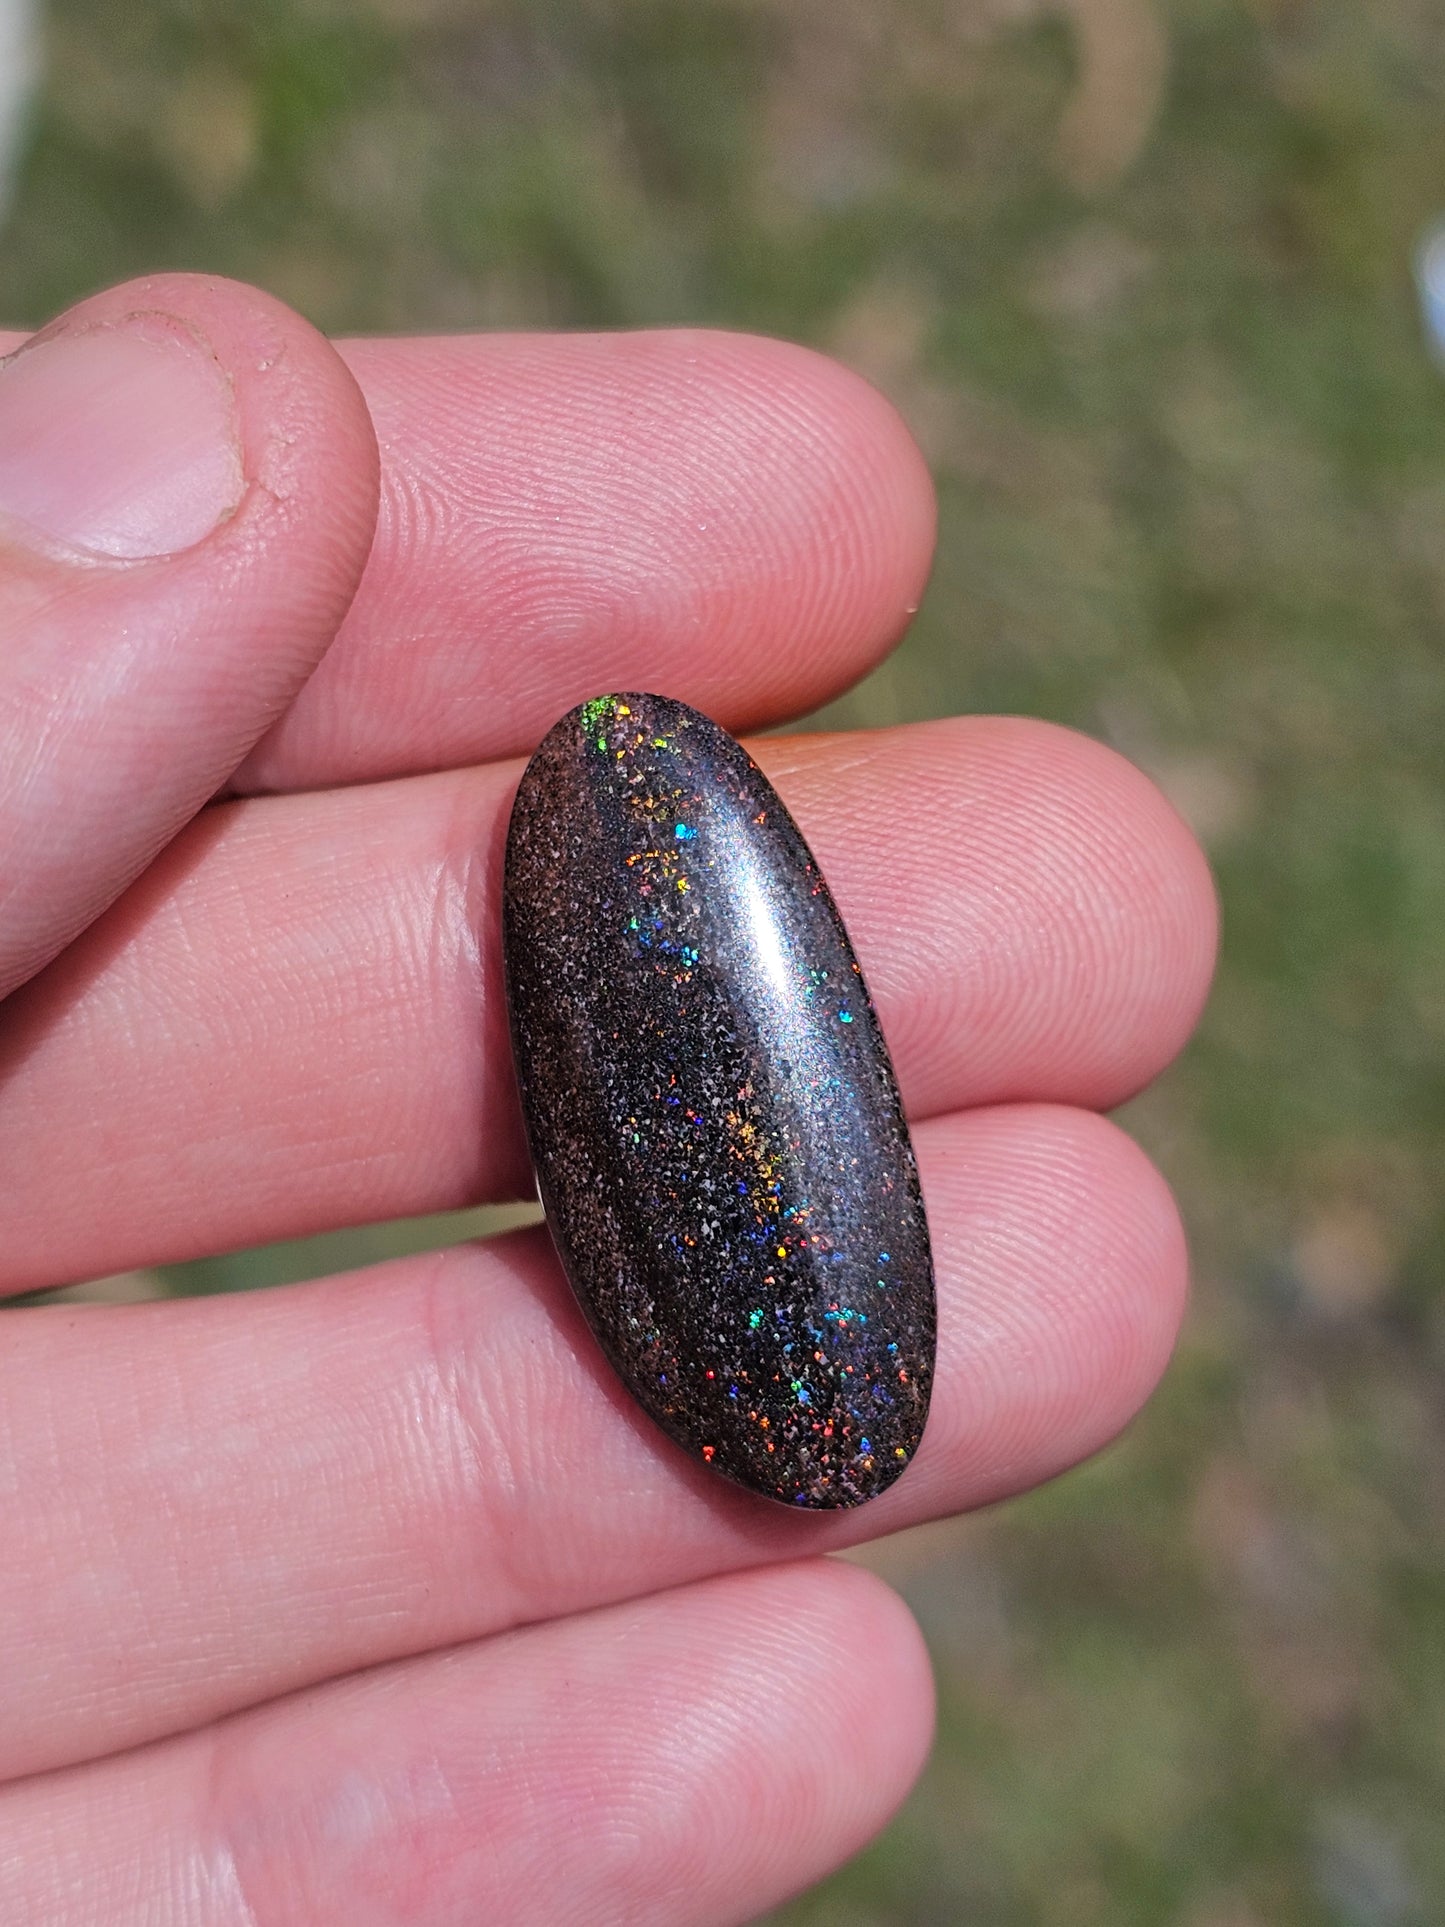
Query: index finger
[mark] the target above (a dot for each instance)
(736, 521)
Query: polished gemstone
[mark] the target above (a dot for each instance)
(717, 1134)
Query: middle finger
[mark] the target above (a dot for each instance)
(306, 991)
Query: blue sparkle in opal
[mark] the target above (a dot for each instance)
(683, 834)
(845, 1016)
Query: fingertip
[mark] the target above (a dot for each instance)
(150, 638)
(895, 1707)
(1142, 1265)
(309, 448)
(1166, 892)
(1068, 1275)
(867, 519)
(727, 518)
(1061, 918)
(850, 1719)
(260, 590)
(844, 1615)
(1124, 911)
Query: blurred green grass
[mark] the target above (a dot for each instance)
(1138, 274)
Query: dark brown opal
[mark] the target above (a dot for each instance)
(717, 1134)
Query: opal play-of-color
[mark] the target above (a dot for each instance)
(717, 1134)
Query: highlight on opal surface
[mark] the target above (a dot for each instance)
(717, 1135)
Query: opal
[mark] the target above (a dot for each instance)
(713, 1118)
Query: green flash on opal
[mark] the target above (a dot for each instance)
(599, 711)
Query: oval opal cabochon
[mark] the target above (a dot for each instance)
(717, 1135)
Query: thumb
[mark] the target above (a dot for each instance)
(188, 481)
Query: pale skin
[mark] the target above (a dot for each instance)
(374, 1600)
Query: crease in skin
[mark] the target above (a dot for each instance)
(490, 1484)
(784, 757)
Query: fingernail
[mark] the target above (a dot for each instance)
(117, 441)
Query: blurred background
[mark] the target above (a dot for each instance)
(1139, 274)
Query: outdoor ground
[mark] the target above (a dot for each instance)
(1139, 275)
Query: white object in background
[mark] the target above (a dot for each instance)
(1430, 280)
(19, 65)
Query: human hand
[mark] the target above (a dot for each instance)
(374, 1600)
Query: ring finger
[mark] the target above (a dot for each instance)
(693, 1758)
(215, 1501)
